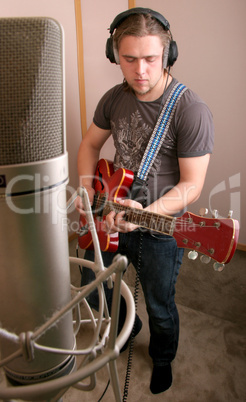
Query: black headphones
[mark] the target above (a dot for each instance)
(172, 55)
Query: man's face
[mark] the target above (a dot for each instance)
(141, 64)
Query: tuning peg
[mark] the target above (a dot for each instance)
(203, 211)
(192, 255)
(205, 259)
(215, 213)
(230, 213)
(218, 267)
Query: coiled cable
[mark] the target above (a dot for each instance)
(132, 337)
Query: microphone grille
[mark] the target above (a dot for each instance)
(31, 90)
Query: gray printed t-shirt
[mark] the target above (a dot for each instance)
(131, 121)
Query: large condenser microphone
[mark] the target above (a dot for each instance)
(34, 258)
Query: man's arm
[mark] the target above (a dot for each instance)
(188, 190)
(192, 177)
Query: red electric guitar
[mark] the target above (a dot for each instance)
(215, 238)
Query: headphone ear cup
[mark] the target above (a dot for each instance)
(173, 53)
(110, 50)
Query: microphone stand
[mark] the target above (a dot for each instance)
(109, 345)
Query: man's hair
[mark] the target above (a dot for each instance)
(141, 25)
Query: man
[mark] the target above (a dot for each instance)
(142, 44)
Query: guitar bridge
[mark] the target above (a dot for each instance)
(83, 230)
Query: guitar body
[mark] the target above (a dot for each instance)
(116, 185)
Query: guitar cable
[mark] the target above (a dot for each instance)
(135, 296)
(77, 255)
(104, 392)
(132, 337)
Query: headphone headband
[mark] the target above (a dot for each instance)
(138, 10)
(172, 52)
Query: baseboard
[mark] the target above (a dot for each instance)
(241, 247)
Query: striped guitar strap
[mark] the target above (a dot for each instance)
(158, 136)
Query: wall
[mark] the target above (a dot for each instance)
(100, 74)
(210, 35)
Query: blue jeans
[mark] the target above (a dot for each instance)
(159, 260)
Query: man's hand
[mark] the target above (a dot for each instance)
(116, 223)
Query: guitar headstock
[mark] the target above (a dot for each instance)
(215, 238)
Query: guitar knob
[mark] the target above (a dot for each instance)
(230, 213)
(203, 211)
(192, 255)
(205, 259)
(215, 213)
(218, 267)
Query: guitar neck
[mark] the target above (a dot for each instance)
(159, 223)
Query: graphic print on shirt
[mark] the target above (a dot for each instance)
(131, 139)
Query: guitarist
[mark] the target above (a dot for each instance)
(141, 43)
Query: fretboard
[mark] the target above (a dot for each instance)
(149, 220)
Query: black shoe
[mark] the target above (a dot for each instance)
(135, 330)
(161, 379)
